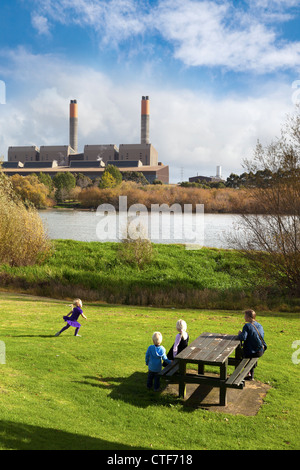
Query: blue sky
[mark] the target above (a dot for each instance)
(220, 75)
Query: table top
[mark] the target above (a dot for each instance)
(210, 348)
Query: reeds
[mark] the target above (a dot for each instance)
(224, 200)
(23, 240)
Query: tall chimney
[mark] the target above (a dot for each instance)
(145, 120)
(73, 125)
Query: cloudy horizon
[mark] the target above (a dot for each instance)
(219, 76)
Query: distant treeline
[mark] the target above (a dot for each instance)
(78, 190)
(259, 179)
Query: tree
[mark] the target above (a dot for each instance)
(233, 181)
(107, 181)
(63, 182)
(115, 172)
(83, 181)
(276, 235)
(31, 190)
(46, 180)
(135, 176)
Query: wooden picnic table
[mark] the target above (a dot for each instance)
(211, 349)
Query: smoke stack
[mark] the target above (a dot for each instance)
(73, 125)
(219, 172)
(145, 120)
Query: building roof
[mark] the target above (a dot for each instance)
(125, 163)
(11, 165)
(67, 169)
(40, 165)
(23, 147)
(85, 164)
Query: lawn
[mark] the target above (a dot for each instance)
(90, 392)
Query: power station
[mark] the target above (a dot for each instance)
(73, 125)
(142, 157)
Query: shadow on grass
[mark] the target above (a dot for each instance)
(19, 436)
(132, 390)
(32, 336)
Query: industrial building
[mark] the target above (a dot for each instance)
(141, 157)
(201, 179)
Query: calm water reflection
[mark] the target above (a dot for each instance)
(81, 225)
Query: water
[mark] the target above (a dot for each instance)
(82, 226)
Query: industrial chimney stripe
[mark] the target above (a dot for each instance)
(73, 125)
(145, 120)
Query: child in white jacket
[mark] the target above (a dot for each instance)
(181, 340)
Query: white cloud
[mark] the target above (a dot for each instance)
(114, 21)
(188, 128)
(201, 33)
(213, 34)
(199, 133)
(40, 23)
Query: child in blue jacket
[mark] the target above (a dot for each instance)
(154, 356)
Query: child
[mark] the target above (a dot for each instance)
(72, 320)
(181, 340)
(253, 338)
(154, 356)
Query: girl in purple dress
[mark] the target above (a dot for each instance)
(72, 318)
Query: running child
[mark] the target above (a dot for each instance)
(72, 318)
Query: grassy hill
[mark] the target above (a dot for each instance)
(206, 278)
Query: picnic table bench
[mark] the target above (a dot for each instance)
(210, 349)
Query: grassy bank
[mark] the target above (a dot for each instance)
(206, 278)
(90, 392)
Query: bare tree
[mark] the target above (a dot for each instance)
(271, 234)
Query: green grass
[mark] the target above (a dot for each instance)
(90, 392)
(206, 278)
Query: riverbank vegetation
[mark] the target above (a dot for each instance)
(81, 192)
(78, 191)
(171, 277)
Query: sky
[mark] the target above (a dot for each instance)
(220, 76)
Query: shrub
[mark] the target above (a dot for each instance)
(135, 248)
(31, 190)
(137, 252)
(23, 240)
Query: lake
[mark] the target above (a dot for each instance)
(90, 226)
